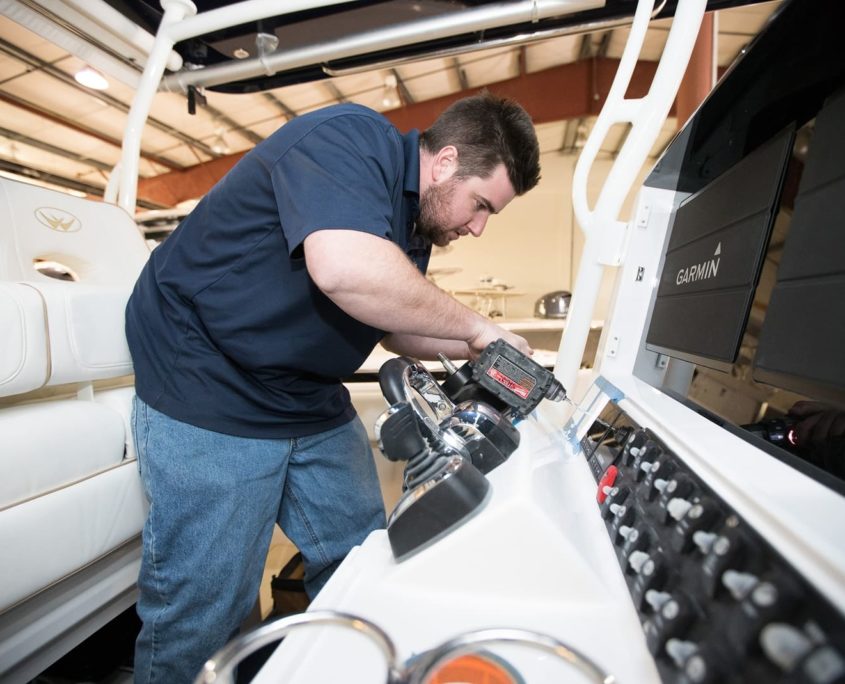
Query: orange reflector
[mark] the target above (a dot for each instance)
(473, 669)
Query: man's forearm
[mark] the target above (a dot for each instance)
(373, 281)
(425, 348)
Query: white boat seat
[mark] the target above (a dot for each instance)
(71, 500)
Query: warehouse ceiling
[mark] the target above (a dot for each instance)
(55, 131)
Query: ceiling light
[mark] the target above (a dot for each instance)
(391, 95)
(219, 145)
(91, 78)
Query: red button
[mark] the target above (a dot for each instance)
(607, 480)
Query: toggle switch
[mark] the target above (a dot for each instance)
(657, 599)
(615, 496)
(704, 540)
(637, 560)
(702, 514)
(678, 508)
(672, 616)
(784, 645)
(646, 454)
(635, 540)
(634, 447)
(699, 665)
(793, 651)
(623, 516)
(680, 651)
(650, 572)
(739, 584)
(618, 510)
(606, 483)
(678, 487)
(769, 598)
(728, 550)
(658, 472)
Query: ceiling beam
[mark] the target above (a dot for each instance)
(21, 103)
(53, 149)
(283, 108)
(698, 78)
(405, 96)
(56, 73)
(335, 92)
(29, 172)
(583, 88)
(168, 189)
(460, 73)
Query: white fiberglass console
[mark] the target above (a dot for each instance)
(678, 525)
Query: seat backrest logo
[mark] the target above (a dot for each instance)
(58, 219)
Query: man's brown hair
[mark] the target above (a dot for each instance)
(488, 130)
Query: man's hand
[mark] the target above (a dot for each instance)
(816, 422)
(488, 333)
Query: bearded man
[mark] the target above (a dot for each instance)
(281, 281)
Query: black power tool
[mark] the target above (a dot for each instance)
(504, 378)
(451, 434)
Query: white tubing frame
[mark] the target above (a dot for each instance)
(180, 21)
(431, 28)
(101, 21)
(67, 40)
(604, 232)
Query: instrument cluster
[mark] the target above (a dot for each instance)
(716, 602)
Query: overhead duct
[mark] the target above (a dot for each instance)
(432, 28)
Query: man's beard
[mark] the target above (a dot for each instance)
(434, 203)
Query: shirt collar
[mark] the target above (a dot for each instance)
(411, 143)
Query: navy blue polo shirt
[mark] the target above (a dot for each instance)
(227, 330)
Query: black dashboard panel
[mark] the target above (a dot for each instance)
(716, 602)
(714, 256)
(803, 336)
(782, 78)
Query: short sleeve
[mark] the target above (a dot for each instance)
(343, 173)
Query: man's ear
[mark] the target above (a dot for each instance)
(445, 164)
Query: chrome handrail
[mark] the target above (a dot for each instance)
(220, 668)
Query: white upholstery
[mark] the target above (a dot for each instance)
(71, 500)
(54, 444)
(51, 536)
(24, 359)
(99, 242)
(120, 401)
(87, 340)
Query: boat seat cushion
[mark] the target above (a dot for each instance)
(86, 331)
(55, 443)
(24, 356)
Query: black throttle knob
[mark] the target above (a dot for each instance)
(390, 379)
(400, 438)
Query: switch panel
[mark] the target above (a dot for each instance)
(716, 602)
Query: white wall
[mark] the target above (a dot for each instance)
(534, 244)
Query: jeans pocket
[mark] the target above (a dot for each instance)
(140, 433)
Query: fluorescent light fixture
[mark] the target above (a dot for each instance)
(91, 78)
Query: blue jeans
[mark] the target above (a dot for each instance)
(214, 499)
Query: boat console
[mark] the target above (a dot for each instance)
(673, 526)
(677, 523)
